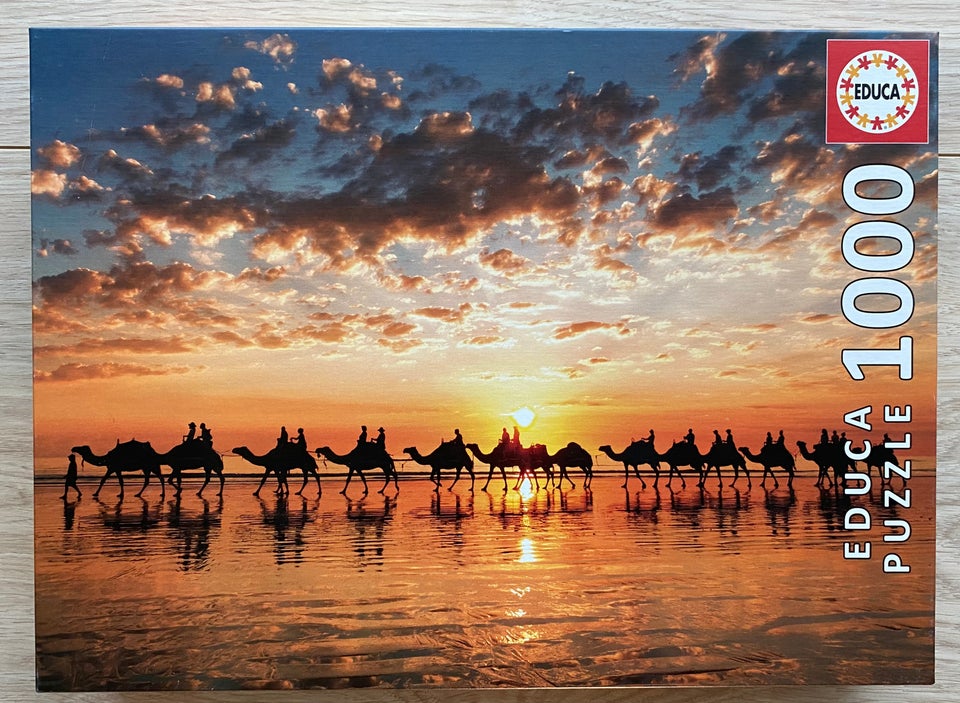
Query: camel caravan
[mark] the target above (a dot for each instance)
(290, 455)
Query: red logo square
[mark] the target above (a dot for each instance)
(878, 91)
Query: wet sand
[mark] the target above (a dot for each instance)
(551, 588)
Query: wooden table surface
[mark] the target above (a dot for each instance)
(16, 487)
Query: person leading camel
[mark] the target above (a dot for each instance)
(70, 480)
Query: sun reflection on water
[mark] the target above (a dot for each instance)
(528, 554)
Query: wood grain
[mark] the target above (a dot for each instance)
(16, 561)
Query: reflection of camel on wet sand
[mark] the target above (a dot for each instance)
(770, 456)
(573, 455)
(363, 457)
(129, 456)
(639, 452)
(281, 460)
(449, 455)
(524, 458)
(193, 454)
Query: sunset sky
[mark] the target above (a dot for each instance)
(429, 230)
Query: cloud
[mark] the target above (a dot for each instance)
(505, 262)
(686, 216)
(334, 67)
(606, 113)
(407, 193)
(44, 182)
(818, 318)
(733, 70)
(483, 340)
(127, 168)
(119, 345)
(242, 76)
(644, 133)
(108, 370)
(444, 314)
(708, 171)
(701, 56)
(60, 154)
(261, 144)
(280, 47)
(577, 329)
(170, 137)
(167, 80)
(335, 119)
(222, 96)
(159, 214)
(57, 246)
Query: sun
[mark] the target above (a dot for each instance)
(524, 417)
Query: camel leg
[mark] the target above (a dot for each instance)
(643, 484)
(626, 475)
(319, 487)
(472, 479)
(749, 480)
(719, 478)
(349, 476)
(489, 476)
(455, 478)
(206, 480)
(220, 476)
(146, 480)
(262, 481)
(102, 481)
(306, 480)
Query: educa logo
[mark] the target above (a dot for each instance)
(878, 91)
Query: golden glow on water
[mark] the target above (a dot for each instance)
(528, 554)
(423, 588)
(526, 489)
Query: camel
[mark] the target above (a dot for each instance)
(129, 456)
(194, 454)
(280, 461)
(879, 455)
(525, 458)
(724, 454)
(363, 457)
(449, 455)
(826, 457)
(772, 455)
(639, 452)
(683, 454)
(573, 455)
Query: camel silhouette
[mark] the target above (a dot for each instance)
(129, 456)
(280, 461)
(573, 455)
(724, 454)
(683, 454)
(827, 457)
(639, 452)
(879, 455)
(504, 455)
(770, 456)
(363, 457)
(449, 455)
(193, 454)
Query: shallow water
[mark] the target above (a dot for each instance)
(548, 588)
